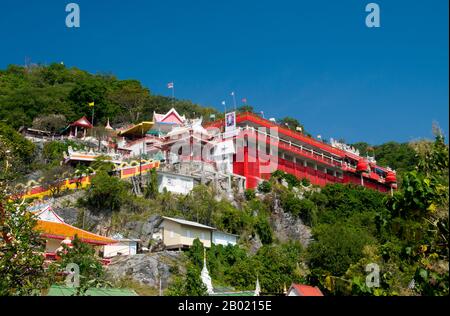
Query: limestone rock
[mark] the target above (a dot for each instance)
(147, 268)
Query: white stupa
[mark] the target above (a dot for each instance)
(258, 287)
(206, 279)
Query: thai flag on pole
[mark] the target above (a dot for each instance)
(244, 100)
(170, 85)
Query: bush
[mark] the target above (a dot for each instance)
(92, 273)
(21, 149)
(336, 247)
(265, 187)
(306, 182)
(190, 285)
(106, 193)
(264, 230)
(249, 194)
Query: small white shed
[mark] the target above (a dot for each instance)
(123, 247)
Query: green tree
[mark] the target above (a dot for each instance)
(292, 123)
(265, 187)
(190, 285)
(151, 190)
(107, 193)
(91, 271)
(20, 148)
(21, 251)
(336, 247)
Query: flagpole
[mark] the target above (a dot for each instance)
(93, 115)
(234, 100)
(173, 93)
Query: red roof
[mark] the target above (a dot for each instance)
(305, 290)
(82, 122)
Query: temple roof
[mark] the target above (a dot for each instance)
(52, 226)
(171, 117)
(57, 230)
(137, 130)
(82, 122)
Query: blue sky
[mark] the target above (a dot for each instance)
(313, 60)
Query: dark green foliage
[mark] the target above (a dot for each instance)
(28, 92)
(189, 285)
(92, 273)
(21, 252)
(107, 193)
(303, 208)
(249, 194)
(53, 152)
(102, 163)
(276, 265)
(20, 148)
(195, 253)
(151, 190)
(264, 230)
(291, 123)
(306, 182)
(399, 156)
(265, 187)
(336, 247)
(290, 179)
(246, 108)
(339, 201)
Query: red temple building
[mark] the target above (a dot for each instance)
(266, 146)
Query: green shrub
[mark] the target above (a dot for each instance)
(336, 247)
(106, 193)
(264, 230)
(265, 187)
(249, 194)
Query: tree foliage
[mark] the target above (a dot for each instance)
(21, 252)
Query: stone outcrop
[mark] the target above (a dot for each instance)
(148, 269)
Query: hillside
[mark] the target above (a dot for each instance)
(288, 230)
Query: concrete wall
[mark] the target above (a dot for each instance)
(175, 183)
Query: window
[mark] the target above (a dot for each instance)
(171, 234)
(188, 233)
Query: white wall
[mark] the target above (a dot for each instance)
(220, 238)
(175, 184)
(124, 247)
